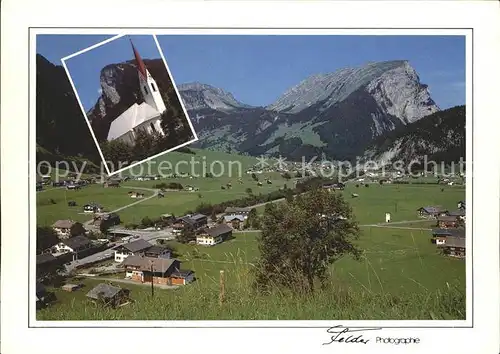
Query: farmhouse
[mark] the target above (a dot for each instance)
(110, 219)
(131, 249)
(63, 228)
(168, 218)
(156, 270)
(454, 247)
(109, 295)
(448, 221)
(237, 211)
(235, 221)
(431, 212)
(460, 214)
(195, 221)
(214, 235)
(158, 252)
(92, 208)
(439, 236)
(73, 245)
(145, 116)
(111, 183)
(333, 186)
(136, 195)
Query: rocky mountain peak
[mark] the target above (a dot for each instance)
(197, 96)
(394, 84)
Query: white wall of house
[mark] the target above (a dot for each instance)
(440, 241)
(120, 256)
(62, 248)
(130, 273)
(156, 122)
(208, 240)
(62, 231)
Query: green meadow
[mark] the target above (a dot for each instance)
(400, 275)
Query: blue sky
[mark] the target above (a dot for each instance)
(85, 68)
(258, 69)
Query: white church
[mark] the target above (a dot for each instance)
(145, 116)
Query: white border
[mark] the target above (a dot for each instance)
(318, 323)
(63, 61)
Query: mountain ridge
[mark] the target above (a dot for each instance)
(339, 115)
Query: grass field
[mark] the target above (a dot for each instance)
(401, 201)
(400, 276)
(109, 198)
(196, 164)
(174, 202)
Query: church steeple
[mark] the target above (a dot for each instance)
(140, 64)
(148, 86)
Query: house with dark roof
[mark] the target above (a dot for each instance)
(237, 211)
(158, 252)
(461, 204)
(214, 235)
(431, 212)
(454, 247)
(133, 248)
(448, 221)
(110, 219)
(111, 183)
(73, 245)
(459, 213)
(109, 295)
(92, 208)
(333, 186)
(195, 221)
(156, 270)
(235, 221)
(63, 228)
(439, 236)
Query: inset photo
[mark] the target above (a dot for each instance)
(129, 100)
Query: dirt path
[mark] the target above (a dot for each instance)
(127, 281)
(155, 193)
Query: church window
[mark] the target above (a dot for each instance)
(153, 87)
(153, 127)
(145, 89)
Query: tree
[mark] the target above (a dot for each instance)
(254, 177)
(186, 235)
(77, 229)
(302, 238)
(213, 216)
(104, 227)
(249, 191)
(147, 222)
(46, 237)
(117, 152)
(253, 219)
(145, 145)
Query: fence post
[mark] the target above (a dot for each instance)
(221, 290)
